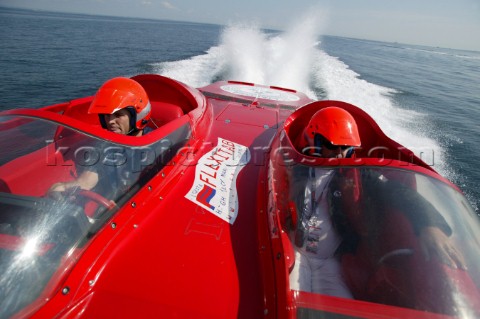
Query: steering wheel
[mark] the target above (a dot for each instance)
(394, 253)
(86, 194)
(97, 198)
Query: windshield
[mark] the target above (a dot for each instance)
(379, 234)
(41, 231)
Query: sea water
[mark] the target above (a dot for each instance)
(426, 98)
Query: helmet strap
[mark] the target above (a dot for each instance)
(133, 131)
(350, 152)
(317, 145)
(102, 121)
(133, 119)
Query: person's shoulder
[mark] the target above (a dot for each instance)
(147, 130)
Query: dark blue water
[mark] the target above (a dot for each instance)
(426, 98)
(50, 57)
(442, 84)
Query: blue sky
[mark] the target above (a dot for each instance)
(444, 23)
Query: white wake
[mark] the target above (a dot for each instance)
(295, 59)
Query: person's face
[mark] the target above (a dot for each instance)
(118, 122)
(336, 151)
(328, 150)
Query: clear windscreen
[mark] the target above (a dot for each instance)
(42, 231)
(379, 234)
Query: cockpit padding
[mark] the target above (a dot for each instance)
(32, 174)
(78, 109)
(163, 112)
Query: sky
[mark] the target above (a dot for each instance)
(437, 23)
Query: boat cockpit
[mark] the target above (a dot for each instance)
(42, 232)
(376, 237)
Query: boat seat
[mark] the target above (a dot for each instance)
(4, 187)
(163, 112)
(44, 166)
(78, 110)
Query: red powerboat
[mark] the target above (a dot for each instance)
(197, 221)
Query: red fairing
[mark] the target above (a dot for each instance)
(202, 216)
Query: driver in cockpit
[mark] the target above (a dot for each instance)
(123, 107)
(332, 133)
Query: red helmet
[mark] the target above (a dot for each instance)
(119, 93)
(334, 124)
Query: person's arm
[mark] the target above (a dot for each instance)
(87, 180)
(434, 241)
(429, 225)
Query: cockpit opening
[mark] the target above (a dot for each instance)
(169, 100)
(40, 231)
(378, 234)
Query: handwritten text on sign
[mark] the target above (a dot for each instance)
(216, 173)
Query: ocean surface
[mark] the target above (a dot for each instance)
(426, 98)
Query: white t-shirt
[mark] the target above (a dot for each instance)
(322, 239)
